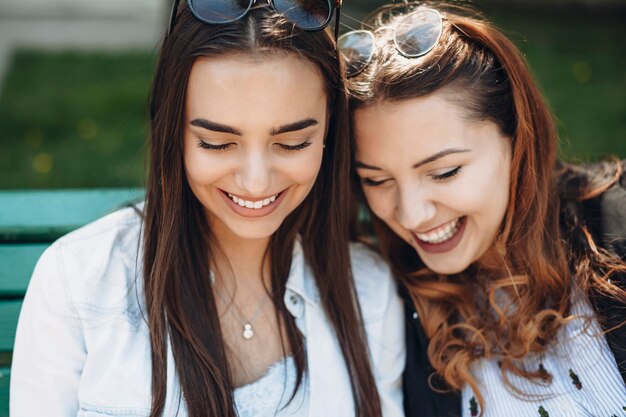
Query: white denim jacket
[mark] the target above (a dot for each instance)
(82, 346)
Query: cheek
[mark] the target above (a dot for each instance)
(381, 203)
(201, 168)
(495, 191)
(302, 169)
(475, 191)
(500, 200)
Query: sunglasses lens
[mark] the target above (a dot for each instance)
(306, 14)
(357, 48)
(219, 11)
(418, 33)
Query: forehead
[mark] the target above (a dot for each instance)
(254, 88)
(423, 121)
(393, 134)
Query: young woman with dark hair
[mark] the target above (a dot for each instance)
(231, 291)
(509, 259)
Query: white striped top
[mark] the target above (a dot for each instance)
(586, 380)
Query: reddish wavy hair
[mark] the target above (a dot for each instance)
(542, 249)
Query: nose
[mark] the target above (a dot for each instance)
(414, 207)
(254, 173)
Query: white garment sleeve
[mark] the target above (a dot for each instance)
(49, 351)
(383, 315)
(386, 339)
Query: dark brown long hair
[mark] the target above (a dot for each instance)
(490, 80)
(179, 299)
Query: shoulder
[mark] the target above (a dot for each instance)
(371, 272)
(113, 238)
(373, 280)
(613, 215)
(595, 194)
(97, 264)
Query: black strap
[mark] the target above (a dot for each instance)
(419, 399)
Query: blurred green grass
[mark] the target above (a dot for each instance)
(579, 60)
(70, 119)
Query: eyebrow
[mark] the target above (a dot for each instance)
(294, 127)
(215, 127)
(432, 158)
(290, 127)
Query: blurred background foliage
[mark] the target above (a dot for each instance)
(78, 119)
(74, 119)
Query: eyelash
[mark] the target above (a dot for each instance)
(447, 175)
(210, 147)
(441, 177)
(297, 147)
(372, 183)
(225, 146)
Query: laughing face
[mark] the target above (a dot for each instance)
(436, 176)
(253, 141)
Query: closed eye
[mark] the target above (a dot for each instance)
(221, 147)
(297, 147)
(446, 175)
(372, 183)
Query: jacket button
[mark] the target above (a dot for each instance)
(293, 299)
(415, 315)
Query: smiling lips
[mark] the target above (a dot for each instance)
(443, 238)
(258, 204)
(441, 233)
(253, 208)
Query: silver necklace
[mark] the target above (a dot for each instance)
(248, 331)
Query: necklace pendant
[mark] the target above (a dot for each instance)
(247, 331)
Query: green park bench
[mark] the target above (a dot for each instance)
(29, 222)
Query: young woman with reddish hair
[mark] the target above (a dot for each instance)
(509, 259)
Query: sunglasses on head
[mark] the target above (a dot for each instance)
(309, 15)
(415, 35)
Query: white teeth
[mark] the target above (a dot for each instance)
(442, 233)
(252, 204)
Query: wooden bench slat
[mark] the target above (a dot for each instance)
(29, 221)
(9, 313)
(42, 215)
(5, 375)
(22, 259)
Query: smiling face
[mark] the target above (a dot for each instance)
(437, 177)
(253, 141)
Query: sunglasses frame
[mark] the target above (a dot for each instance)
(336, 10)
(372, 35)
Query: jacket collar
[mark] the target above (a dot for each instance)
(301, 282)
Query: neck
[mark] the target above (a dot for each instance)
(242, 260)
(246, 258)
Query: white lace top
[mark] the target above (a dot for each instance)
(269, 395)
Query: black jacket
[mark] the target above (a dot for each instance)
(605, 217)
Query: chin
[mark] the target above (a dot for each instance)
(449, 267)
(253, 233)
